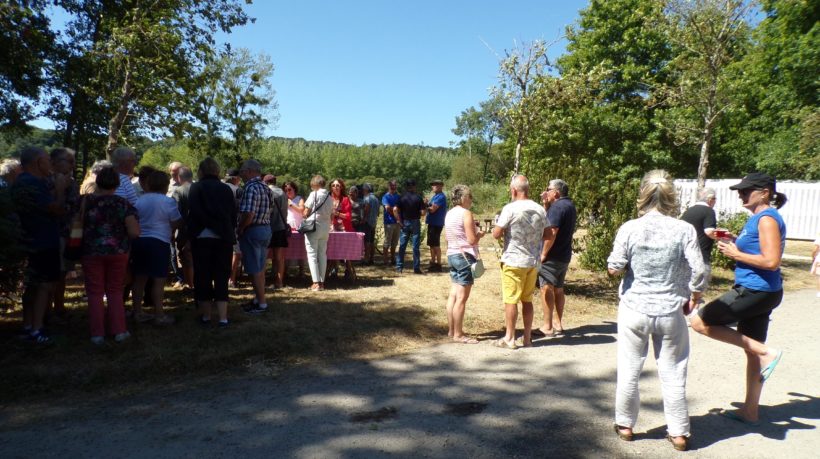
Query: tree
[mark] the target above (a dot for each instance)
(26, 49)
(710, 36)
(480, 128)
(233, 103)
(519, 72)
(140, 57)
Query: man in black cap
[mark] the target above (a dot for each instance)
(408, 213)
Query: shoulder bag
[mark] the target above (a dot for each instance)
(308, 225)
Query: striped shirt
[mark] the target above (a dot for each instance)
(126, 189)
(257, 198)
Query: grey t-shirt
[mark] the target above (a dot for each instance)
(524, 222)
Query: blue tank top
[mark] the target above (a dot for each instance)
(749, 242)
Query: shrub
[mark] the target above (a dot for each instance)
(734, 223)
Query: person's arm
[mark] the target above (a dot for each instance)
(346, 209)
(618, 259)
(770, 253)
(132, 226)
(470, 231)
(815, 251)
(396, 211)
(549, 240)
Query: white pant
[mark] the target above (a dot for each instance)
(670, 341)
(316, 248)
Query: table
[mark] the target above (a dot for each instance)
(340, 246)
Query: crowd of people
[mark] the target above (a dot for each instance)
(135, 223)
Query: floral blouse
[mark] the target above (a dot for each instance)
(104, 231)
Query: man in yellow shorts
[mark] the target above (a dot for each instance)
(523, 224)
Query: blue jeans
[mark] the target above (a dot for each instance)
(411, 229)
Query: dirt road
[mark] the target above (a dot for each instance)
(446, 401)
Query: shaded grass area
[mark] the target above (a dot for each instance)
(381, 314)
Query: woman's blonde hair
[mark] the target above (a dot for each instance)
(458, 193)
(658, 193)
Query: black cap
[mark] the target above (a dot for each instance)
(232, 172)
(437, 182)
(755, 180)
(409, 182)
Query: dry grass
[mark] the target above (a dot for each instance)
(383, 313)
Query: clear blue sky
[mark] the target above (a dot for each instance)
(384, 71)
(381, 71)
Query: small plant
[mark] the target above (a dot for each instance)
(734, 223)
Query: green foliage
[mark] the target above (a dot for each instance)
(488, 198)
(27, 43)
(11, 253)
(734, 223)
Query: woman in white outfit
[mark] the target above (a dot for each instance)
(319, 210)
(664, 276)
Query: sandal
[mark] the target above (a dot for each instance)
(679, 446)
(520, 343)
(503, 344)
(464, 339)
(623, 434)
(539, 332)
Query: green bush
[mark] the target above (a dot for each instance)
(734, 223)
(11, 253)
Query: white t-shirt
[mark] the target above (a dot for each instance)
(524, 222)
(323, 211)
(156, 212)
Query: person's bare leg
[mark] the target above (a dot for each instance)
(235, 261)
(451, 301)
(258, 281)
(157, 292)
(459, 306)
(547, 304)
(560, 299)
(40, 303)
(764, 353)
(222, 310)
(754, 387)
(59, 295)
(138, 292)
(205, 309)
(279, 267)
(510, 318)
(527, 314)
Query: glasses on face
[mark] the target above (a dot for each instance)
(336, 185)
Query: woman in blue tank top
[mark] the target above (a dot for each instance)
(757, 291)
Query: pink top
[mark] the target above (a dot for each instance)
(456, 236)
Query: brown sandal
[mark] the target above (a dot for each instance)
(622, 434)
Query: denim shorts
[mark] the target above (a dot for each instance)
(254, 245)
(460, 272)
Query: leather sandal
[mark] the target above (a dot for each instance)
(679, 446)
(623, 434)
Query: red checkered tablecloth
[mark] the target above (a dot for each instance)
(340, 246)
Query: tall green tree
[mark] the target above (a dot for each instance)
(140, 56)
(710, 38)
(26, 46)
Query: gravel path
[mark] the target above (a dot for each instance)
(446, 401)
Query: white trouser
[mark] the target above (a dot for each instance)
(670, 341)
(316, 248)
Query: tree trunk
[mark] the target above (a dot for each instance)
(116, 123)
(703, 164)
(518, 144)
(487, 159)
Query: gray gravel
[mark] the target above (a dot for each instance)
(446, 401)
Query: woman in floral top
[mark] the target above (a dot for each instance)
(109, 224)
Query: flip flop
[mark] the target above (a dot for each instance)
(539, 332)
(678, 446)
(504, 345)
(465, 340)
(766, 373)
(738, 418)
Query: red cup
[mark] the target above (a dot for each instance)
(722, 234)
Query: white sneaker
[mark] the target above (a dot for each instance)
(120, 337)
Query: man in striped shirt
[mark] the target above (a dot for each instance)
(254, 231)
(125, 160)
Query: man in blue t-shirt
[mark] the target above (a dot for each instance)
(556, 255)
(408, 213)
(391, 228)
(39, 209)
(436, 211)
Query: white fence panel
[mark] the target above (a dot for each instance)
(801, 213)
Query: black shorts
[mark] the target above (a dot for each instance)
(150, 257)
(552, 273)
(43, 266)
(434, 235)
(279, 239)
(749, 308)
